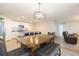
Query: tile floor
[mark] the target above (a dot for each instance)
(66, 49)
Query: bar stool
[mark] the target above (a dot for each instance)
(26, 34)
(39, 32)
(31, 33)
(36, 33)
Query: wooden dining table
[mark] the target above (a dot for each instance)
(34, 40)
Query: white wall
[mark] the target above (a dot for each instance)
(9, 25)
(71, 27)
(53, 26)
(46, 27)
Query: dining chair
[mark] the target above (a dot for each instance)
(49, 33)
(31, 33)
(36, 33)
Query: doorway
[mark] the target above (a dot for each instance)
(60, 29)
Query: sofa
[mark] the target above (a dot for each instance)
(70, 38)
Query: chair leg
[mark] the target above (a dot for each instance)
(59, 52)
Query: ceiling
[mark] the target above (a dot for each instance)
(53, 11)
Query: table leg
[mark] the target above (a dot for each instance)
(33, 49)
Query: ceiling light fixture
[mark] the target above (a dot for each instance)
(38, 14)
